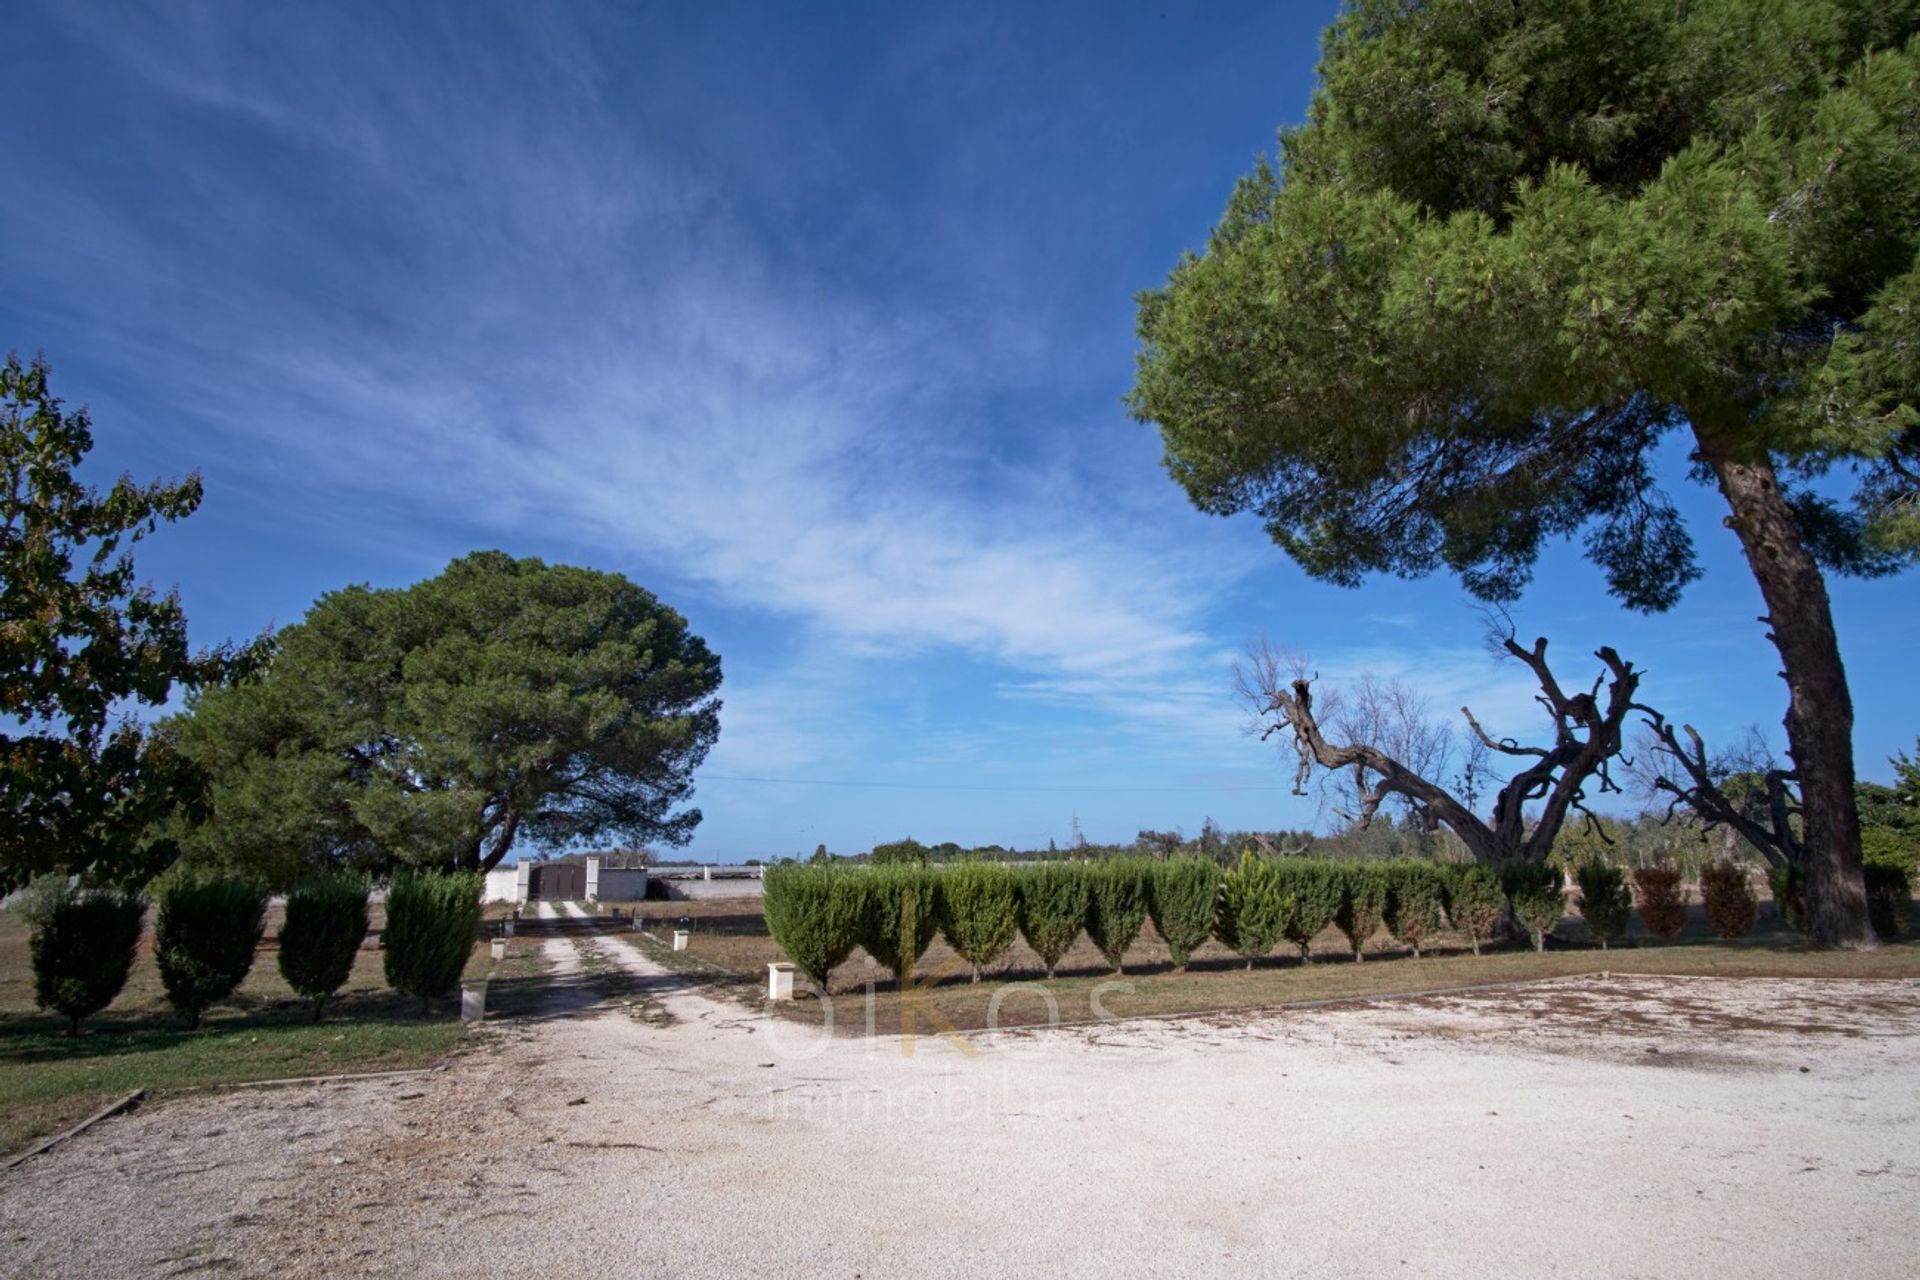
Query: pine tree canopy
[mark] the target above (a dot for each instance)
(1515, 243)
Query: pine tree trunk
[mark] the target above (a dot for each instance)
(1819, 717)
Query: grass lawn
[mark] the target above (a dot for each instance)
(730, 937)
(263, 1032)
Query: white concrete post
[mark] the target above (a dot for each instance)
(706, 873)
(499, 948)
(524, 883)
(679, 939)
(473, 1002)
(779, 981)
(593, 879)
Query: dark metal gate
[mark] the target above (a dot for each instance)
(558, 882)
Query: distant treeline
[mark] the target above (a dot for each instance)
(1642, 840)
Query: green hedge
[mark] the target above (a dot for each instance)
(1533, 890)
(1889, 897)
(1255, 909)
(978, 911)
(1053, 908)
(1184, 900)
(1476, 902)
(82, 949)
(433, 920)
(1318, 888)
(205, 932)
(1416, 900)
(1116, 905)
(1605, 902)
(817, 913)
(1363, 904)
(903, 914)
(326, 923)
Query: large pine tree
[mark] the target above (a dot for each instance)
(1515, 244)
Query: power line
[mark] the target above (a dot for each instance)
(979, 786)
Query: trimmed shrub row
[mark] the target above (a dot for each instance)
(819, 914)
(207, 929)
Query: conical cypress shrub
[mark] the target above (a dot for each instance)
(205, 932)
(433, 920)
(325, 925)
(1052, 901)
(82, 949)
(1255, 910)
(1117, 905)
(1184, 899)
(817, 913)
(978, 912)
(903, 915)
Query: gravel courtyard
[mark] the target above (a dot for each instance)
(1619, 1127)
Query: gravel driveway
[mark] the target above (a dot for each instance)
(1620, 1127)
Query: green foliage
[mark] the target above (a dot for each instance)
(205, 932)
(1318, 890)
(898, 851)
(1363, 905)
(433, 918)
(1416, 899)
(1592, 840)
(1788, 881)
(1455, 320)
(1476, 901)
(1889, 846)
(1663, 905)
(1606, 904)
(43, 895)
(1053, 901)
(903, 914)
(1533, 890)
(1184, 899)
(82, 951)
(1727, 891)
(817, 913)
(81, 642)
(978, 911)
(326, 922)
(1889, 880)
(437, 724)
(1117, 897)
(1255, 906)
(1511, 249)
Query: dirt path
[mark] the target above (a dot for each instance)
(1626, 1127)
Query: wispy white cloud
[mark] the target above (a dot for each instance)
(586, 335)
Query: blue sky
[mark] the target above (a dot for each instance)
(813, 319)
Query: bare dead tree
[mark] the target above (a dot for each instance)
(1395, 717)
(1587, 738)
(1744, 792)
